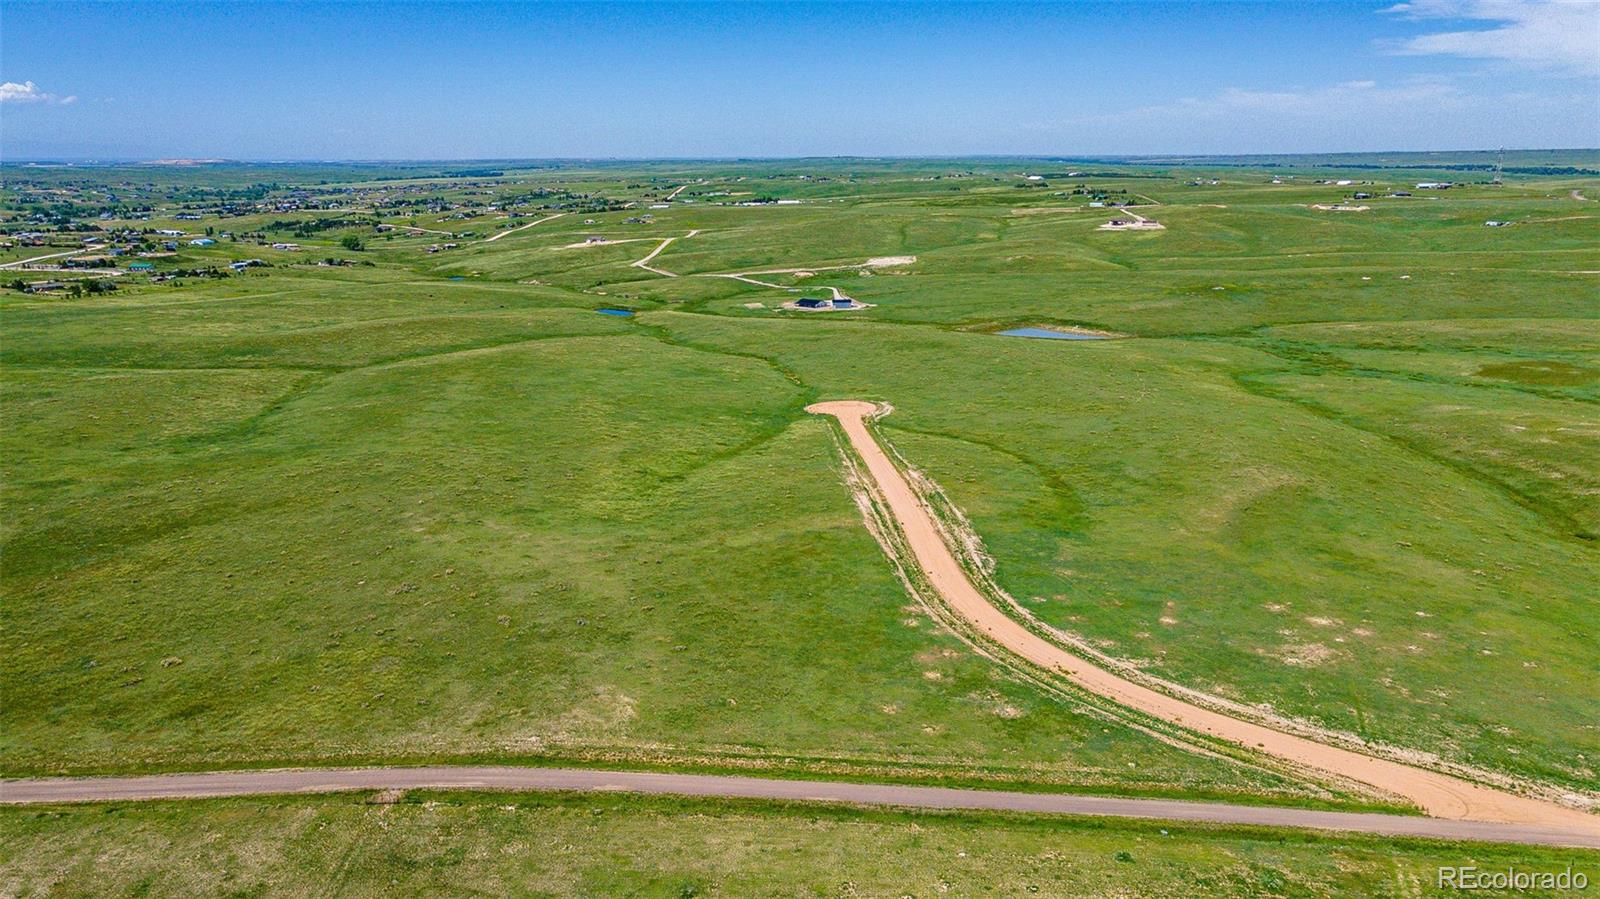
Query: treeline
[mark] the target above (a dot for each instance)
(312, 227)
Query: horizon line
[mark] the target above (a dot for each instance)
(422, 160)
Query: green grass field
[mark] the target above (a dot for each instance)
(431, 506)
(559, 845)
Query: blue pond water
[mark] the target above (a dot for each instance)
(457, 278)
(1048, 334)
(622, 312)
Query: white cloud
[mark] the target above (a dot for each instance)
(1350, 97)
(28, 92)
(1559, 35)
(1417, 113)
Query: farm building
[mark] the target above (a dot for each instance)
(140, 266)
(809, 303)
(201, 242)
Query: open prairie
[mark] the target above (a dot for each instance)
(399, 493)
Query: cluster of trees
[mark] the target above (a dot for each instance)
(75, 289)
(210, 272)
(312, 227)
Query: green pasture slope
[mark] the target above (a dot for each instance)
(431, 506)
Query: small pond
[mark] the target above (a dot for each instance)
(622, 312)
(1047, 334)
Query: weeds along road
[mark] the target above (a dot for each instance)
(1439, 795)
(331, 780)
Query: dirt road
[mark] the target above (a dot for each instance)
(499, 234)
(874, 262)
(1439, 795)
(19, 263)
(665, 241)
(330, 780)
(418, 230)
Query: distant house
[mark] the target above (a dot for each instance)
(140, 267)
(169, 232)
(595, 238)
(43, 286)
(1360, 195)
(1496, 223)
(202, 242)
(809, 303)
(843, 303)
(1433, 185)
(1401, 193)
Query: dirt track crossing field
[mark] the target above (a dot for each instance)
(665, 242)
(499, 234)
(1439, 795)
(329, 780)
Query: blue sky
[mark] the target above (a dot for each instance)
(495, 80)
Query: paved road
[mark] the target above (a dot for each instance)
(329, 780)
(1440, 795)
